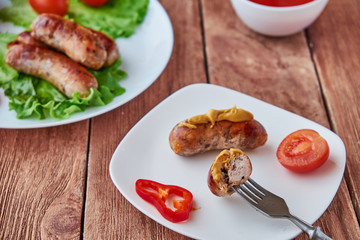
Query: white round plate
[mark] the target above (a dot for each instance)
(145, 55)
(145, 153)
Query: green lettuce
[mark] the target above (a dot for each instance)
(117, 18)
(32, 97)
(19, 13)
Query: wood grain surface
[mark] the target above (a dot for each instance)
(42, 182)
(338, 61)
(55, 182)
(279, 71)
(108, 215)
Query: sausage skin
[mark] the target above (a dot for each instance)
(27, 38)
(186, 141)
(110, 47)
(230, 168)
(54, 67)
(76, 41)
(109, 44)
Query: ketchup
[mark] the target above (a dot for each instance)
(281, 3)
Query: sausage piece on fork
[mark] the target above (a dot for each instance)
(230, 168)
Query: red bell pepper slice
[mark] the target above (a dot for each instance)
(157, 194)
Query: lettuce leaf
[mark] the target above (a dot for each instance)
(32, 97)
(19, 13)
(6, 73)
(117, 18)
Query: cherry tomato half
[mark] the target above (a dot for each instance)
(303, 151)
(59, 7)
(94, 3)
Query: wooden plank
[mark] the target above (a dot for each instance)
(276, 70)
(337, 56)
(42, 173)
(279, 71)
(108, 215)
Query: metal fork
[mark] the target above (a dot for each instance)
(272, 205)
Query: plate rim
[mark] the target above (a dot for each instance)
(202, 85)
(50, 122)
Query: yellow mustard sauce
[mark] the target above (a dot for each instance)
(223, 159)
(185, 124)
(232, 114)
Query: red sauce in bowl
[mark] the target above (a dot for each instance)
(281, 3)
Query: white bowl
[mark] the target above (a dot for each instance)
(278, 21)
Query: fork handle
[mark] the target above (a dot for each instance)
(319, 235)
(313, 232)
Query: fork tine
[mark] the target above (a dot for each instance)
(259, 188)
(253, 194)
(249, 193)
(254, 190)
(245, 196)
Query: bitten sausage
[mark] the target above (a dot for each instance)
(230, 168)
(62, 72)
(76, 41)
(186, 141)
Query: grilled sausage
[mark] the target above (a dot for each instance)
(109, 44)
(27, 38)
(187, 141)
(110, 47)
(230, 168)
(76, 41)
(54, 67)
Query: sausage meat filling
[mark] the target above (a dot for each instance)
(231, 167)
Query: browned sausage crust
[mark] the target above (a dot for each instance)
(230, 168)
(76, 41)
(188, 141)
(110, 47)
(27, 38)
(109, 44)
(66, 75)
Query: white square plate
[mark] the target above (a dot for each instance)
(145, 153)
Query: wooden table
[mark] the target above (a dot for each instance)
(55, 184)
